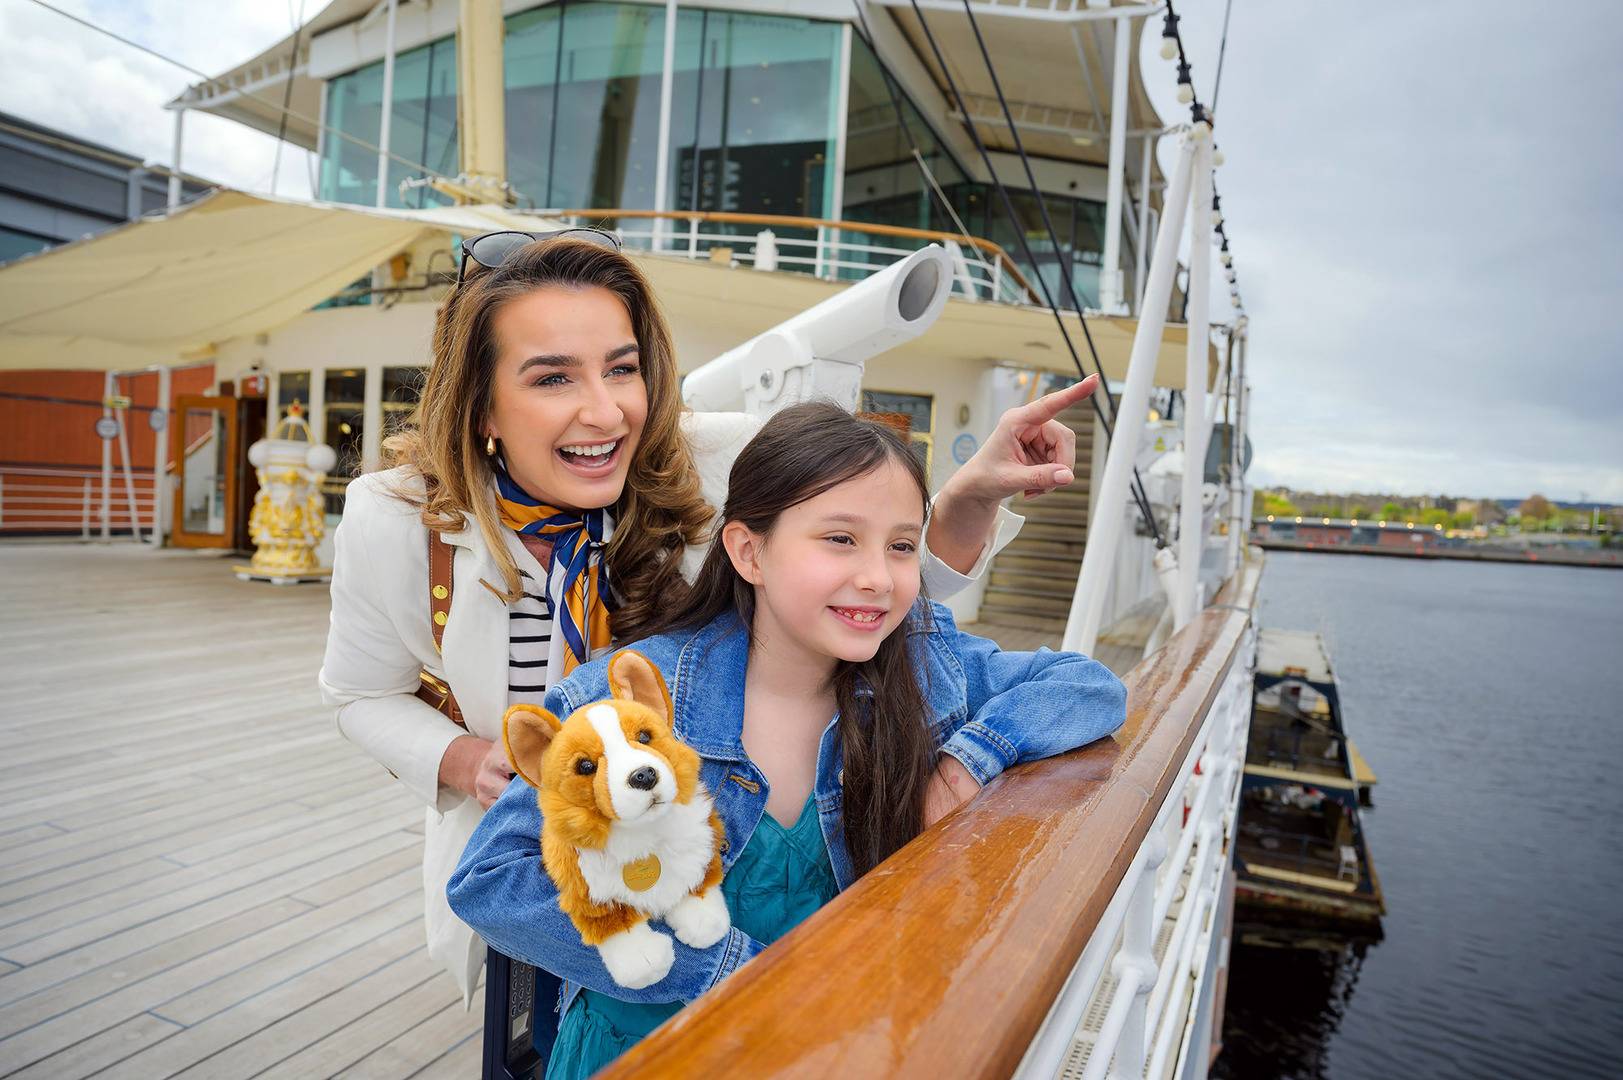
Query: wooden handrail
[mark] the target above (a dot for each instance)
(729, 217)
(945, 960)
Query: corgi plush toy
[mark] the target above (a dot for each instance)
(628, 831)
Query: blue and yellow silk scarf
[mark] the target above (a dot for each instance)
(577, 546)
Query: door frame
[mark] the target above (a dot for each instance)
(179, 536)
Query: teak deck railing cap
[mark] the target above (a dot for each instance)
(945, 959)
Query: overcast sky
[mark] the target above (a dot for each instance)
(1424, 198)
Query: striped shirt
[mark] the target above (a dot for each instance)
(529, 633)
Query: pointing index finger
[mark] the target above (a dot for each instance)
(1049, 406)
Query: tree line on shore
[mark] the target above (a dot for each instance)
(1536, 513)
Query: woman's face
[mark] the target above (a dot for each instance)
(568, 400)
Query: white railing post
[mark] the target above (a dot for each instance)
(106, 464)
(84, 522)
(1087, 604)
(1134, 969)
(386, 112)
(1191, 533)
(817, 261)
(1110, 276)
(160, 457)
(693, 237)
(661, 165)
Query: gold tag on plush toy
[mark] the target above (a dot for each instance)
(640, 875)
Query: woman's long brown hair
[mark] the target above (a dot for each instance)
(885, 739)
(661, 509)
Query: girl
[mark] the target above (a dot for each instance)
(836, 713)
(551, 469)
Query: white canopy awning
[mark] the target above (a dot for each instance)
(228, 265)
(165, 290)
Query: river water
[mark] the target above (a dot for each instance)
(1488, 698)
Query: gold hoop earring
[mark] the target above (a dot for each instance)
(490, 446)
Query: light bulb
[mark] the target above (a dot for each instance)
(1186, 93)
(1201, 129)
(1169, 48)
(1228, 260)
(1236, 300)
(1217, 157)
(1217, 218)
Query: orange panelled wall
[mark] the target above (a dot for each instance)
(49, 433)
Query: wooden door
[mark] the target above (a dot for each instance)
(205, 447)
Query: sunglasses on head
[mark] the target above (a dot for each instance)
(493, 249)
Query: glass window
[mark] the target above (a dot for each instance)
(14, 243)
(422, 127)
(345, 407)
(915, 411)
(291, 386)
(883, 182)
(752, 109)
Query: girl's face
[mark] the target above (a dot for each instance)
(568, 400)
(839, 572)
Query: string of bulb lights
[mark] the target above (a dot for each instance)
(1201, 121)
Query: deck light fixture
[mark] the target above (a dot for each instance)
(1169, 37)
(1186, 88)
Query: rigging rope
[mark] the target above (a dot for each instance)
(1140, 497)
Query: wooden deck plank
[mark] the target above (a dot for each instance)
(408, 857)
(401, 1055)
(244, 1039)
(331, 1055)
(88, 1057)
(462, 1062)
(293, 869)
(64, 997)
(98, 884)
(26, 836)
(202, 1002)
(287, 1036)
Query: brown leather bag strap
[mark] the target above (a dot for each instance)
(441, 558)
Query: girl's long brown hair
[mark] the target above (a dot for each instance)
(885, 739)
(661, 509)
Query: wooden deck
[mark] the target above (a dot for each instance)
(198, 876)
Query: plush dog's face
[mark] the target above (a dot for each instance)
(614, 760)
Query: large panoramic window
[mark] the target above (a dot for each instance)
(753, 120)
(884, 184)
(422, 127)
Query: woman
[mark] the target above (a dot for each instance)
(546, 502)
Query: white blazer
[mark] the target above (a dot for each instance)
(380, 640)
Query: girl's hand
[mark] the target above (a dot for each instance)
(950, 787)
(1028, 451)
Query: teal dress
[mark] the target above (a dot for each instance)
(781, 876)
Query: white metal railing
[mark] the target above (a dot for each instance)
(1126, 1008)
(40, 499)
(828, 254)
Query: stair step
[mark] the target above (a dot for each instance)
(1031, 546)
(1023, 580)
(993, 611)
(1054, 513)
(1064, 532)
(1063, 568)
(1041, 602)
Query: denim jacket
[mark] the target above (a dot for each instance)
(987, 708)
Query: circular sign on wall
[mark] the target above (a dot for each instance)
(107, 427)
(158, 419)
(963, 448)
